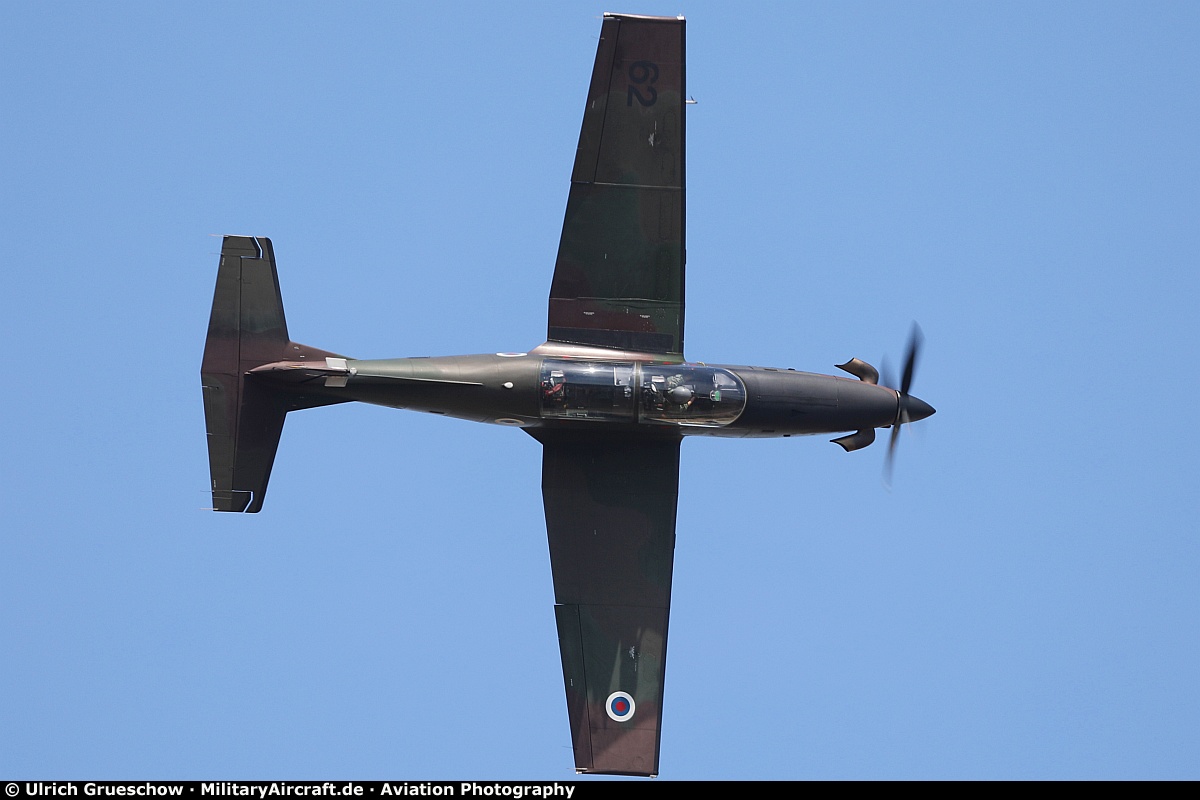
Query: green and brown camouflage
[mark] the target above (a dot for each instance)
(609, 395)
(619, 277)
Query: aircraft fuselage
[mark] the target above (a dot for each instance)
(562, 386)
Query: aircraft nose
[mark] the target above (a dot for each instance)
(918, 409)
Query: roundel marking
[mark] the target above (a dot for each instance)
(620, 706)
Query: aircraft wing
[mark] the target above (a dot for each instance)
(610, 516)
(618, 279)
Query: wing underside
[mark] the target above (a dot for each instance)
(619, 275)
(610, 516)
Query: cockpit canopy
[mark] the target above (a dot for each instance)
(627, 391)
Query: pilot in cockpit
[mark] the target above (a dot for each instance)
(554, 388)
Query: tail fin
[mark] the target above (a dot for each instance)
(244, 417)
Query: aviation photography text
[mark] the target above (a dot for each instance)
(264, 789)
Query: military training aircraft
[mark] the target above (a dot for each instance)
(609, 395)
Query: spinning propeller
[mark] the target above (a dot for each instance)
(909, 408)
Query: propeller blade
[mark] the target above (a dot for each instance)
(889, 459)
(907, 407)
(910, 361)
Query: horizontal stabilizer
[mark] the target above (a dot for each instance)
(244, 417)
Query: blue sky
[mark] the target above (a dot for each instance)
(1021, 178)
